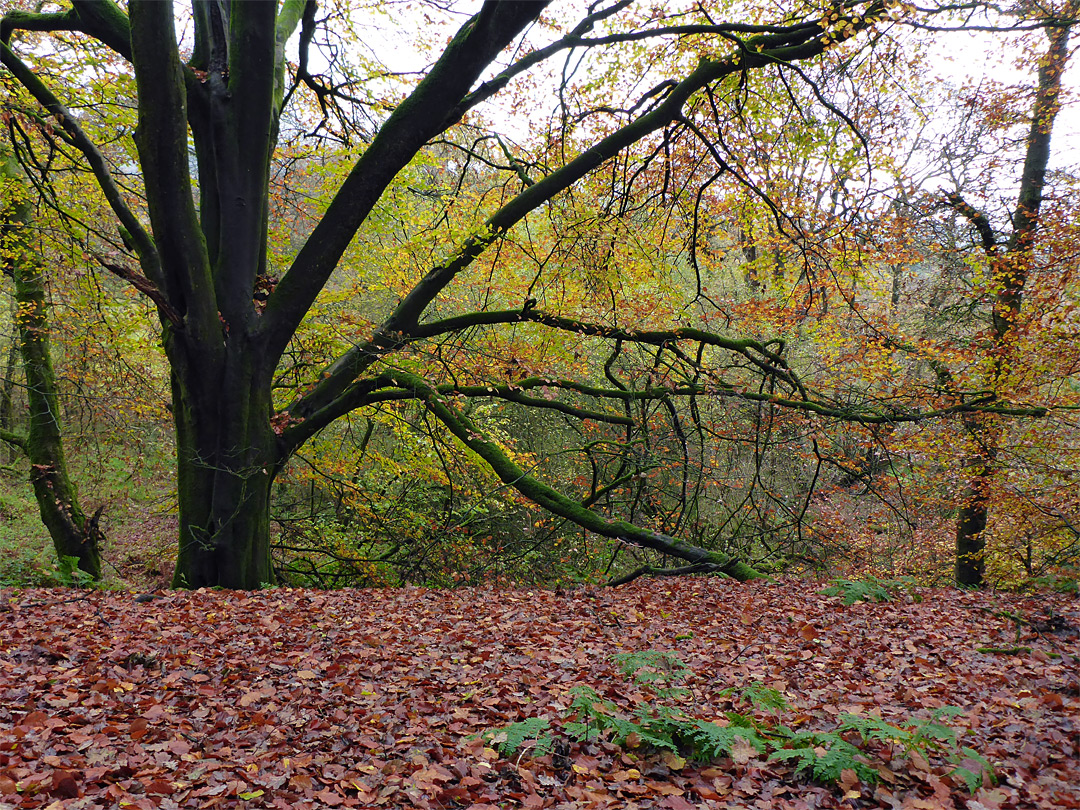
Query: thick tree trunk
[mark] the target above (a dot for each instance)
(227, 456)
(74, 535)
(970, 525)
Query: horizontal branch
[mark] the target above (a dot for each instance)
(13, 438)
(652, 571)
(511, 392)
(101, 19)
(372, 391)
(552, 500)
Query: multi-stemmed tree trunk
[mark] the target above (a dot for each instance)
(1010, 263)
(74, 535)
(201, 263)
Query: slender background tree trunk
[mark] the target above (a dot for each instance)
(73, 533)
(1010, 264)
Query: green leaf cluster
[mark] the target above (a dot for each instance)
(70, 575)
(926, 735)
(658, 670)
(758, 695)
(508, 740)
(824, 755)
(869, 589)
(659, 723)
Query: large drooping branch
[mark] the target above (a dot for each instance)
(393, 333)
(373, 390)
(757, 353)
(512, 392)
(554, 501)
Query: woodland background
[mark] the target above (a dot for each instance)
(856, 217)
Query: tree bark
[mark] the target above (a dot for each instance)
(73, 533)
(226, 462)
(1010, 265)
(7, 402)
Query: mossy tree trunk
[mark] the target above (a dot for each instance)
(227, 456)
(73, 533)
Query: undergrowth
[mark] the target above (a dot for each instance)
(26, 555)
(662, 722)
(870, 589)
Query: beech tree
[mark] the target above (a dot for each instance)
(1010, 257)
(195, 238)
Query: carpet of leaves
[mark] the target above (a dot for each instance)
(373, 698)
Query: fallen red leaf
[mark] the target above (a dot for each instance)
(402, 681)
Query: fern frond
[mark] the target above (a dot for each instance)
(826, 756)
(758, 695)
(870, 589)
(588, 703)
(649, 667)
(874, 728)
(509, 739)
(710, 740)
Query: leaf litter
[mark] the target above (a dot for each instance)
(377, 698)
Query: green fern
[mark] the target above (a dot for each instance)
(758, 695)
(926, 735)
(825, 755)
(596, 715)
(653, 732)
(973, 780)
(588, 703)
(662, 725)
(874, 728)
(659, 670)
(870, 589)
(509, 739)
(710, 740)
(931, 732)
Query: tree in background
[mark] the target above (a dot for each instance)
(1011, 261)
(75, 536)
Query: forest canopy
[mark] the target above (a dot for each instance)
(431, 292)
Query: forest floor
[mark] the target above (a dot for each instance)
(374, 698)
